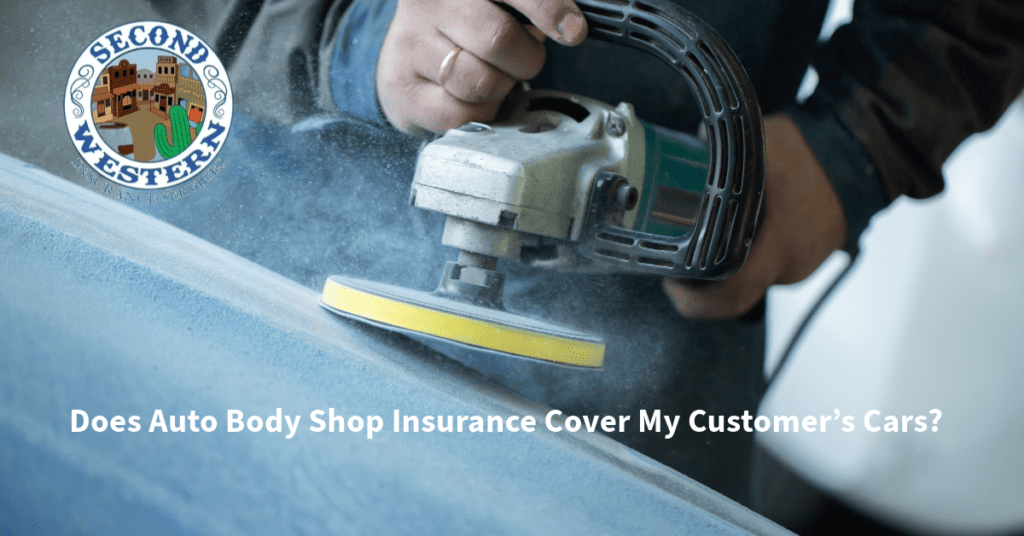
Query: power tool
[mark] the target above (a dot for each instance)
(569, 183)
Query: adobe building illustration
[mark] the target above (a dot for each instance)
(190, 94)
(163, 99)
(142, 101)
(117, 91)
(102, 100)
(145, 79)
(166, 70)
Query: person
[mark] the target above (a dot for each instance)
(900, 87)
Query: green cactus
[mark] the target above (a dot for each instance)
(179, 133)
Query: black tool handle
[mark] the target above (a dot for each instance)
(726, 219)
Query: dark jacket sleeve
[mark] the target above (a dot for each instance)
(290, 59)
(901, 87)
(277, 52)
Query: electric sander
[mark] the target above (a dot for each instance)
(569, 183)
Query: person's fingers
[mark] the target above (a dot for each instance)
(447, 62)
(560, 20)
(536, 33)
(465, 76)
(430, 107)
(729, 298)
(494, 36)
(803, 224)
(712, 302)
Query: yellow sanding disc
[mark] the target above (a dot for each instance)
(420, 313)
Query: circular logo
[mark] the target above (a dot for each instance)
(148, 105)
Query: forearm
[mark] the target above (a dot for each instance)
(900, 88)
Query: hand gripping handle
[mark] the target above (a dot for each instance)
(726, 219)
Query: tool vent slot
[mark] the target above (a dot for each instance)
(715, 157)
(656, 262)
(656, 246)
(729, 88)
(709, 234)
(663, 16)
(723, 237)
(741, 157)
(640, 21)
(653, 43)
(617, 255)
(557, 104)
(604, 13)
(692, 250)
(729, 153)
(703, 72)
(597, 27)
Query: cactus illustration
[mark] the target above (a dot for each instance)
(179, 133)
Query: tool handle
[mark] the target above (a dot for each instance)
(726, 219)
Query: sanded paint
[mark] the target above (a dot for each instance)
(112, 312)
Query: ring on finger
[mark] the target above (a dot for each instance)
(447, 62)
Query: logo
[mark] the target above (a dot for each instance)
(148, 106)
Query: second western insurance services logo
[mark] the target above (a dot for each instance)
(148, 106)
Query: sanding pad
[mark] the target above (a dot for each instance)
(420, 313)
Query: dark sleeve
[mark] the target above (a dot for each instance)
(290, 59)
(900, 87)
(353, 70)
(277, 52)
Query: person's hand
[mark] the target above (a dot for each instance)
(447, 62)
(803, 224)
